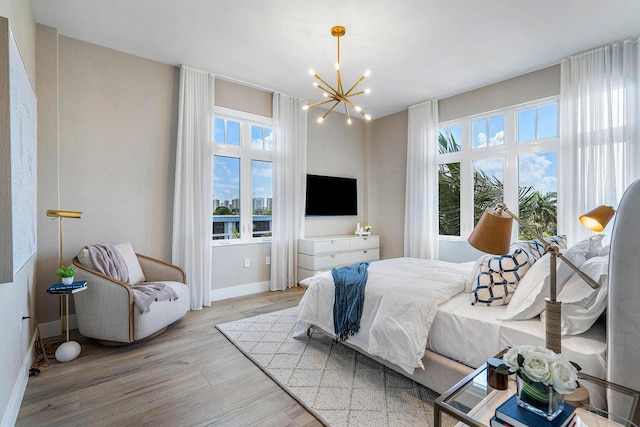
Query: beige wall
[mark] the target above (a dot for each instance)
(335, 148)
(111, 155)
(17, 298)
(387, 166)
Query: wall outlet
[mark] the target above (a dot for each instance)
(267, 260)
(247, 263)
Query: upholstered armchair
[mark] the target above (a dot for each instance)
(106, 310)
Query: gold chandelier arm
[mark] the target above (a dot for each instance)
(331, 92)
(346, 110)
(320, 103)
(323, 81)
(330, 109)
(354, 85)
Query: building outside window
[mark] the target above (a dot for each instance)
(243, 176)
(506, 156)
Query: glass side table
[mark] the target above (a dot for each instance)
(473, 402)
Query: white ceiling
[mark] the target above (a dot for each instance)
(416, 49)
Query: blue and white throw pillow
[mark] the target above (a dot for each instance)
(535, 248)
(499, 276)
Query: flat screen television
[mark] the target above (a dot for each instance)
(331, 196)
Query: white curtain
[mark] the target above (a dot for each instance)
(192, 206)
(289, 182)
(421, 206)
(599, 137)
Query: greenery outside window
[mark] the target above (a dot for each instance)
(506, 156)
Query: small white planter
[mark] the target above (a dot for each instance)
(67, 280)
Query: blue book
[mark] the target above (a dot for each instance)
(61, 288)
(509, 412)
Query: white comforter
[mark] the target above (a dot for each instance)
(401, 300)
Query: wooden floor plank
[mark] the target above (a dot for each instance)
(189, 376)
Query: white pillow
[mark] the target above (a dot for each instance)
(581, 304)
(528, 300)
(471, 281)
(588, 248)
(135, 271)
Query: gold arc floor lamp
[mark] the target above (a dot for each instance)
(67, 350)
(338, 94)
(492, 235)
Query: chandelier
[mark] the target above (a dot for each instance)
(337, 94)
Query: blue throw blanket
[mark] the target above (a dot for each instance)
(347, 308)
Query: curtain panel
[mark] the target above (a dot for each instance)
(421, 206)
(599, 137)
(289, 182)
(191, 248)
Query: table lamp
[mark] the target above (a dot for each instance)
(68, 350)
(598, 218)
(492, 235)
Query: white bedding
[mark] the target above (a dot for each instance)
(470, 334)
(402, 298)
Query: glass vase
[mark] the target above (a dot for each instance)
(539, 398)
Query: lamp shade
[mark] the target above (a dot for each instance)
(598, 218)
(492, 234)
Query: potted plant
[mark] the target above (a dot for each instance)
(66, 274)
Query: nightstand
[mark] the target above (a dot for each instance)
(473, 402)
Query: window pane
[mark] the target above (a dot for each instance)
(261, 197)
(449, 139)
(488, 188)
(537, 193)
(219, 131)
(261, 138)
(548, 121)
(449, 199)
(226, 132)
(527, 125)
(496, 130)
(233, 133)
(226, 198)
(479, 133)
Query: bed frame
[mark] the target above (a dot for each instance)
(623, 311)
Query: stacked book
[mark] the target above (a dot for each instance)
(509, 414)
(61, 288)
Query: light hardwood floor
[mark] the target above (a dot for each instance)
(189, 376)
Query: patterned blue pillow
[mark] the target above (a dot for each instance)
(499, 276)
(535, 249)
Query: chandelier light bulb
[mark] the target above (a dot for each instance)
(320, 119)
(305, 107)
(368, 117)
(367, 73)
(358, 109)
(349, 120)
(326, 95)
(337, 66)
(367, 90)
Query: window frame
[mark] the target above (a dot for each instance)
(246, 153)
(509, 150)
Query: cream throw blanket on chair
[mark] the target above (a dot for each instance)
(107, 260)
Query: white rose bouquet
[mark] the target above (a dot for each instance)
(539, 364)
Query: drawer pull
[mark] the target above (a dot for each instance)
(333, 255)
(364, 252)
(333, 241)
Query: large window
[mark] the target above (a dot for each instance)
(505, 156)
(243, 176)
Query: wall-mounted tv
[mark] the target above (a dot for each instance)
(331, 196)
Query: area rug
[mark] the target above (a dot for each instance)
(338, 385)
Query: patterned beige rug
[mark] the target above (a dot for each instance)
(337, 384)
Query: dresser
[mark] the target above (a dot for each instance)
(324, 253)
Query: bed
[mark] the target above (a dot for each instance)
(460, 336)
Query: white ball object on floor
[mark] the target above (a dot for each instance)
(67, 351)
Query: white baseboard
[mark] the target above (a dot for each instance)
(52, 329)
(239, 291)
(10, 416)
